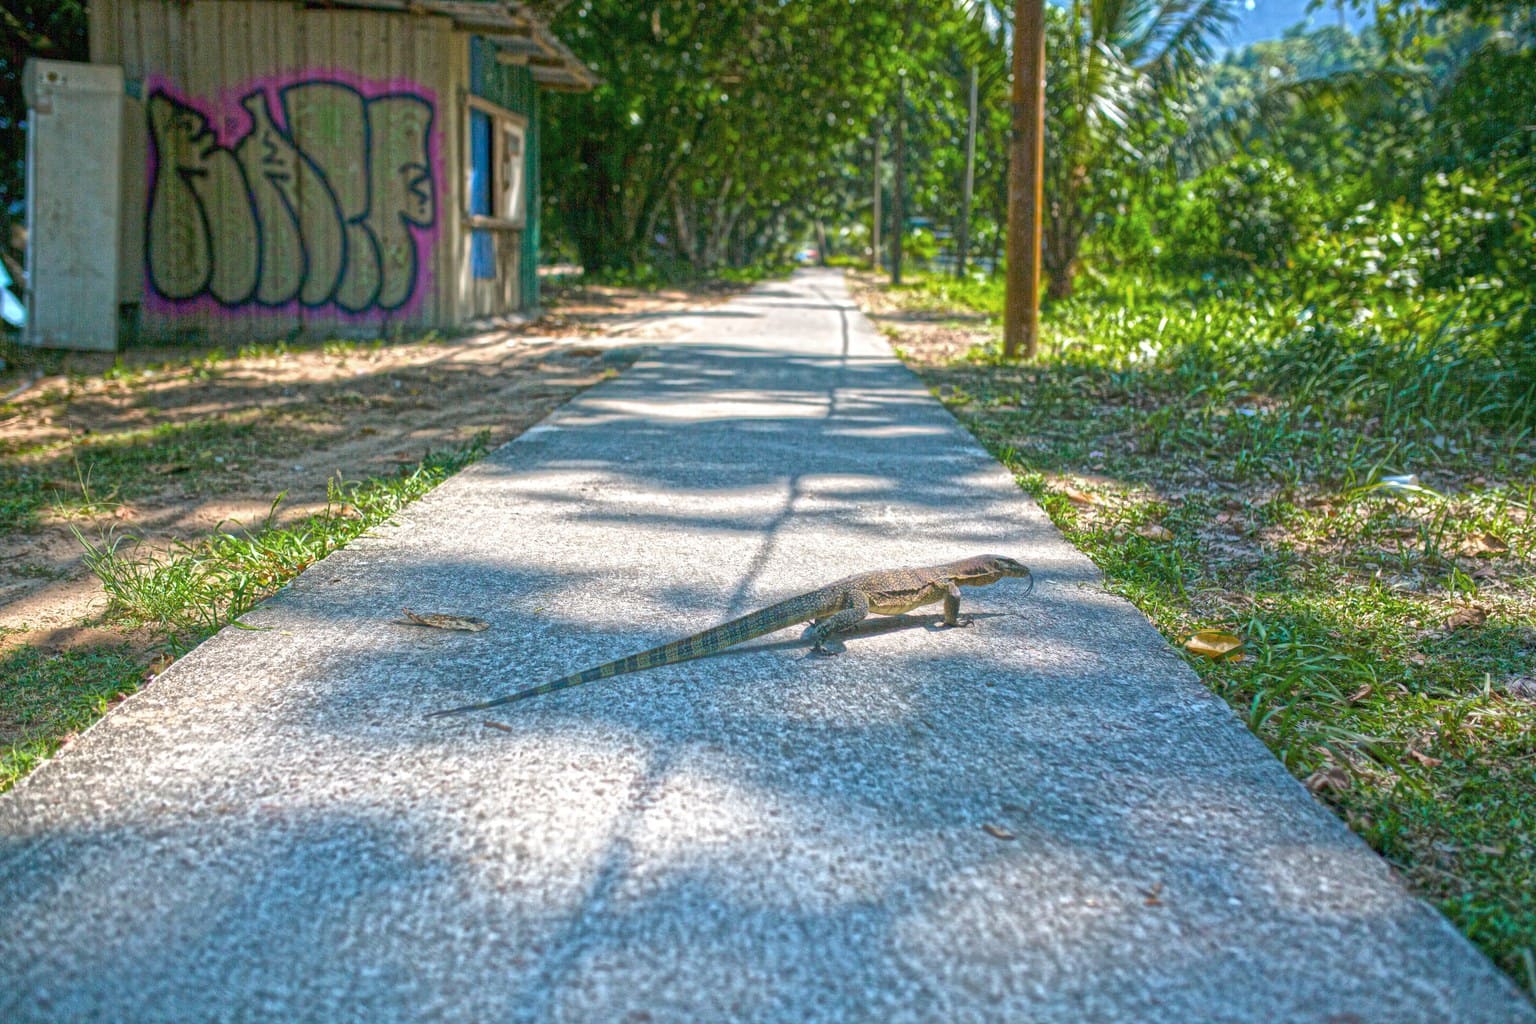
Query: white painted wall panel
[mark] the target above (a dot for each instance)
(74, 156)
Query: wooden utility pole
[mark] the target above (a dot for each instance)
(874, 238)
(1026, 165)
(899, 193)
(970, 184)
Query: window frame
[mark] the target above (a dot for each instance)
(502, 121)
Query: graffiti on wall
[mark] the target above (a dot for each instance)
(310, 193)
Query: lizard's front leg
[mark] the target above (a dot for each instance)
(851, 614)
(952, 616)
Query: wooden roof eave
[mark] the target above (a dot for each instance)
(511, 27)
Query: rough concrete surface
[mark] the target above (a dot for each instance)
(1042, 818)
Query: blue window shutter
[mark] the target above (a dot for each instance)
(482, 247)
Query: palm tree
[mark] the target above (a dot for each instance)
(1113, 67)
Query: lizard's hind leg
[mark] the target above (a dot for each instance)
(851, 615)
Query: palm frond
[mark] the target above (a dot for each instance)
(1181, 40)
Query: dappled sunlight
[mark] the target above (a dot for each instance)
(904, 811)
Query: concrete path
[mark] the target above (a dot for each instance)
(1042, 818)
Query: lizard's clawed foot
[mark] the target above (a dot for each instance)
(960, 623)
(826, 652)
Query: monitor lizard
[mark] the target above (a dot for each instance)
(833, 609)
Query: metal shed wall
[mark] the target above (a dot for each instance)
(512, 88)
(300, 167)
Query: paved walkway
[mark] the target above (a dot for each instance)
(1042, 818)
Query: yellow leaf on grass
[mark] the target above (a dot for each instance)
(1078, 497)
(1215, 644)
(1326, 778)
(459, 622)
(1467, 618)
(1482, 544)
(1154, 531)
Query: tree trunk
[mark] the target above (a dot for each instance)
(1064, 239)
(595, 225)
(899, 194)
(874, 238)
(723, 217)
(970, 183)
(683, 225)
(1021, 321)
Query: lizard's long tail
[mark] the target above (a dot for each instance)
(765, 620)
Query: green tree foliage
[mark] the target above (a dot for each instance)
(1114, 70)
(1382, 186)
(53, 29)
(1249, 211)
(723, 127)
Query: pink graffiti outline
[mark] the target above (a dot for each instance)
(230, 122)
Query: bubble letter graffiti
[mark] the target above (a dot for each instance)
(332, 205)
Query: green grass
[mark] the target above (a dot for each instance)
(88, 475)
(47, 697)
(181, 597)
(201, 586)
(656, 276)
(1226, 475)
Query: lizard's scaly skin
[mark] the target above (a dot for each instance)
(835, 607)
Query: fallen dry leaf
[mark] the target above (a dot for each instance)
(501, 726)
(1215, 644)
(997, 831)
(159, 665)
(1523, 687)
(1484, 545)
(1467, 618)
(1079, 497)
(1330, 777)
(437, 621)
(1154, 895)
(1424, 759)
(1360, 694)
(1154, 531)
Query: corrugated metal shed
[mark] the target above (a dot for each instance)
(314, 169)
(512, 28)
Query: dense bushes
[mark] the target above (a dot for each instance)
(1250, 212)
(1420, 308)
(1468, 231)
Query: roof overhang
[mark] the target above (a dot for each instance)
(512, 28)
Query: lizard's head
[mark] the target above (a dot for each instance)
(984, 569)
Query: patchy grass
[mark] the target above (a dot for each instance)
(180, 598)
(152, 453)
(201, 586)
(90, 475)
(50, 697)
(1388, 625)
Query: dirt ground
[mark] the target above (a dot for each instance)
(925, 338)
(174, 443)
